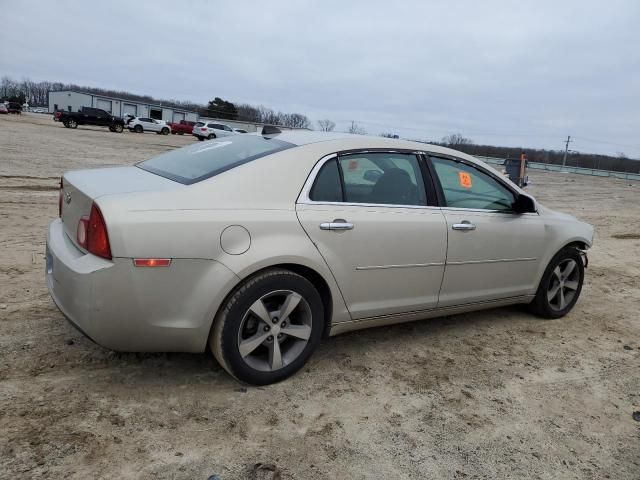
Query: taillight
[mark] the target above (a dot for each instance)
(60, 199)
(204, 129)
(92, 233)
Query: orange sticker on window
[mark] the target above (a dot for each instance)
(353, 164)
(464, 179)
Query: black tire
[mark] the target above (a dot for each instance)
(66, 124)
(200, 139)
(180, 133)
(211, 136)
(111, 129)
(165, 131)
(138, 129)
(224, 338)
(72, 123)
(118, 128)
(541, 304)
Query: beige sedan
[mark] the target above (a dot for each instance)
(261, 245)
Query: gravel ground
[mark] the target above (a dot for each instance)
(495, 394)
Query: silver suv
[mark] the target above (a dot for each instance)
(211, 130)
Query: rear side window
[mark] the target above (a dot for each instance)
(204, 160)
(327, 187)
(371, 178)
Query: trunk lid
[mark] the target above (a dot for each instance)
(82, 187)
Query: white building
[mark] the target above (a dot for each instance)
(73, 101)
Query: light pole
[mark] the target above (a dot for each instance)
(566, 150)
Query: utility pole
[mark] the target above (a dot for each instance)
(566, 150)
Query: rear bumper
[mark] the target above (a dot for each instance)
(126, 308)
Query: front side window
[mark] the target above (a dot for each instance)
(372, 178)
(465, 186)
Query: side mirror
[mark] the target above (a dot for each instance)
(524, 204)
(372, 175)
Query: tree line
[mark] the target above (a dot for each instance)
(36, 94)
(619, 163)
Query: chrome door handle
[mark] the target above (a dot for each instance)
(464, 226)
(337, 224)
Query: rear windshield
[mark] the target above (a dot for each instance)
(203, 160)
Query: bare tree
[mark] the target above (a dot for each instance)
(356, 129)
(456, 139)
(326, 125)
(295, 120)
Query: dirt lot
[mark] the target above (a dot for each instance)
(497, 394)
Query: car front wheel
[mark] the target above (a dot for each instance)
(268, 329)
(561, 285)
(165, 131)
(72, 124)
(137, 129)
(211, 136)
(118, 128)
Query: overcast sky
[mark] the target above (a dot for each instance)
(510, 73)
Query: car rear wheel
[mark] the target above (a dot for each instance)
(137, 129)
(165, 131)
(211, 136)
(72, 123)
(66, 124)
(268, 328)
(118, 128)
(561, 285)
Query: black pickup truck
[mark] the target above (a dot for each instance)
(91, 116)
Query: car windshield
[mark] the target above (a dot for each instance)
(204, 160)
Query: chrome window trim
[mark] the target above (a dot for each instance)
(303, 197)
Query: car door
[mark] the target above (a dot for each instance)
(493, 252)
(155, 126)
(371, 217)
(102, 118)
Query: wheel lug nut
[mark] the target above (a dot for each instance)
(275, 319)
(270, 338)
(279, 335)
(267, 328)
(283, 324)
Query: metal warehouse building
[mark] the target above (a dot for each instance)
(73, 101)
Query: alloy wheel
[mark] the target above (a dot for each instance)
(275, 330)
(563, 285)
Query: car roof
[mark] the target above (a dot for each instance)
(351, 141)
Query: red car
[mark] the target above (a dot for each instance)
(14, 107)
(181, 128)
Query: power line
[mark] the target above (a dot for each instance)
(607, 143)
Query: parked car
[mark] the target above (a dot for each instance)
(211, 130)
(260, 245)
(90, 116)
(14, 107)
(182, 127)
(240, 130)
(140, 125)
(3, 109)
